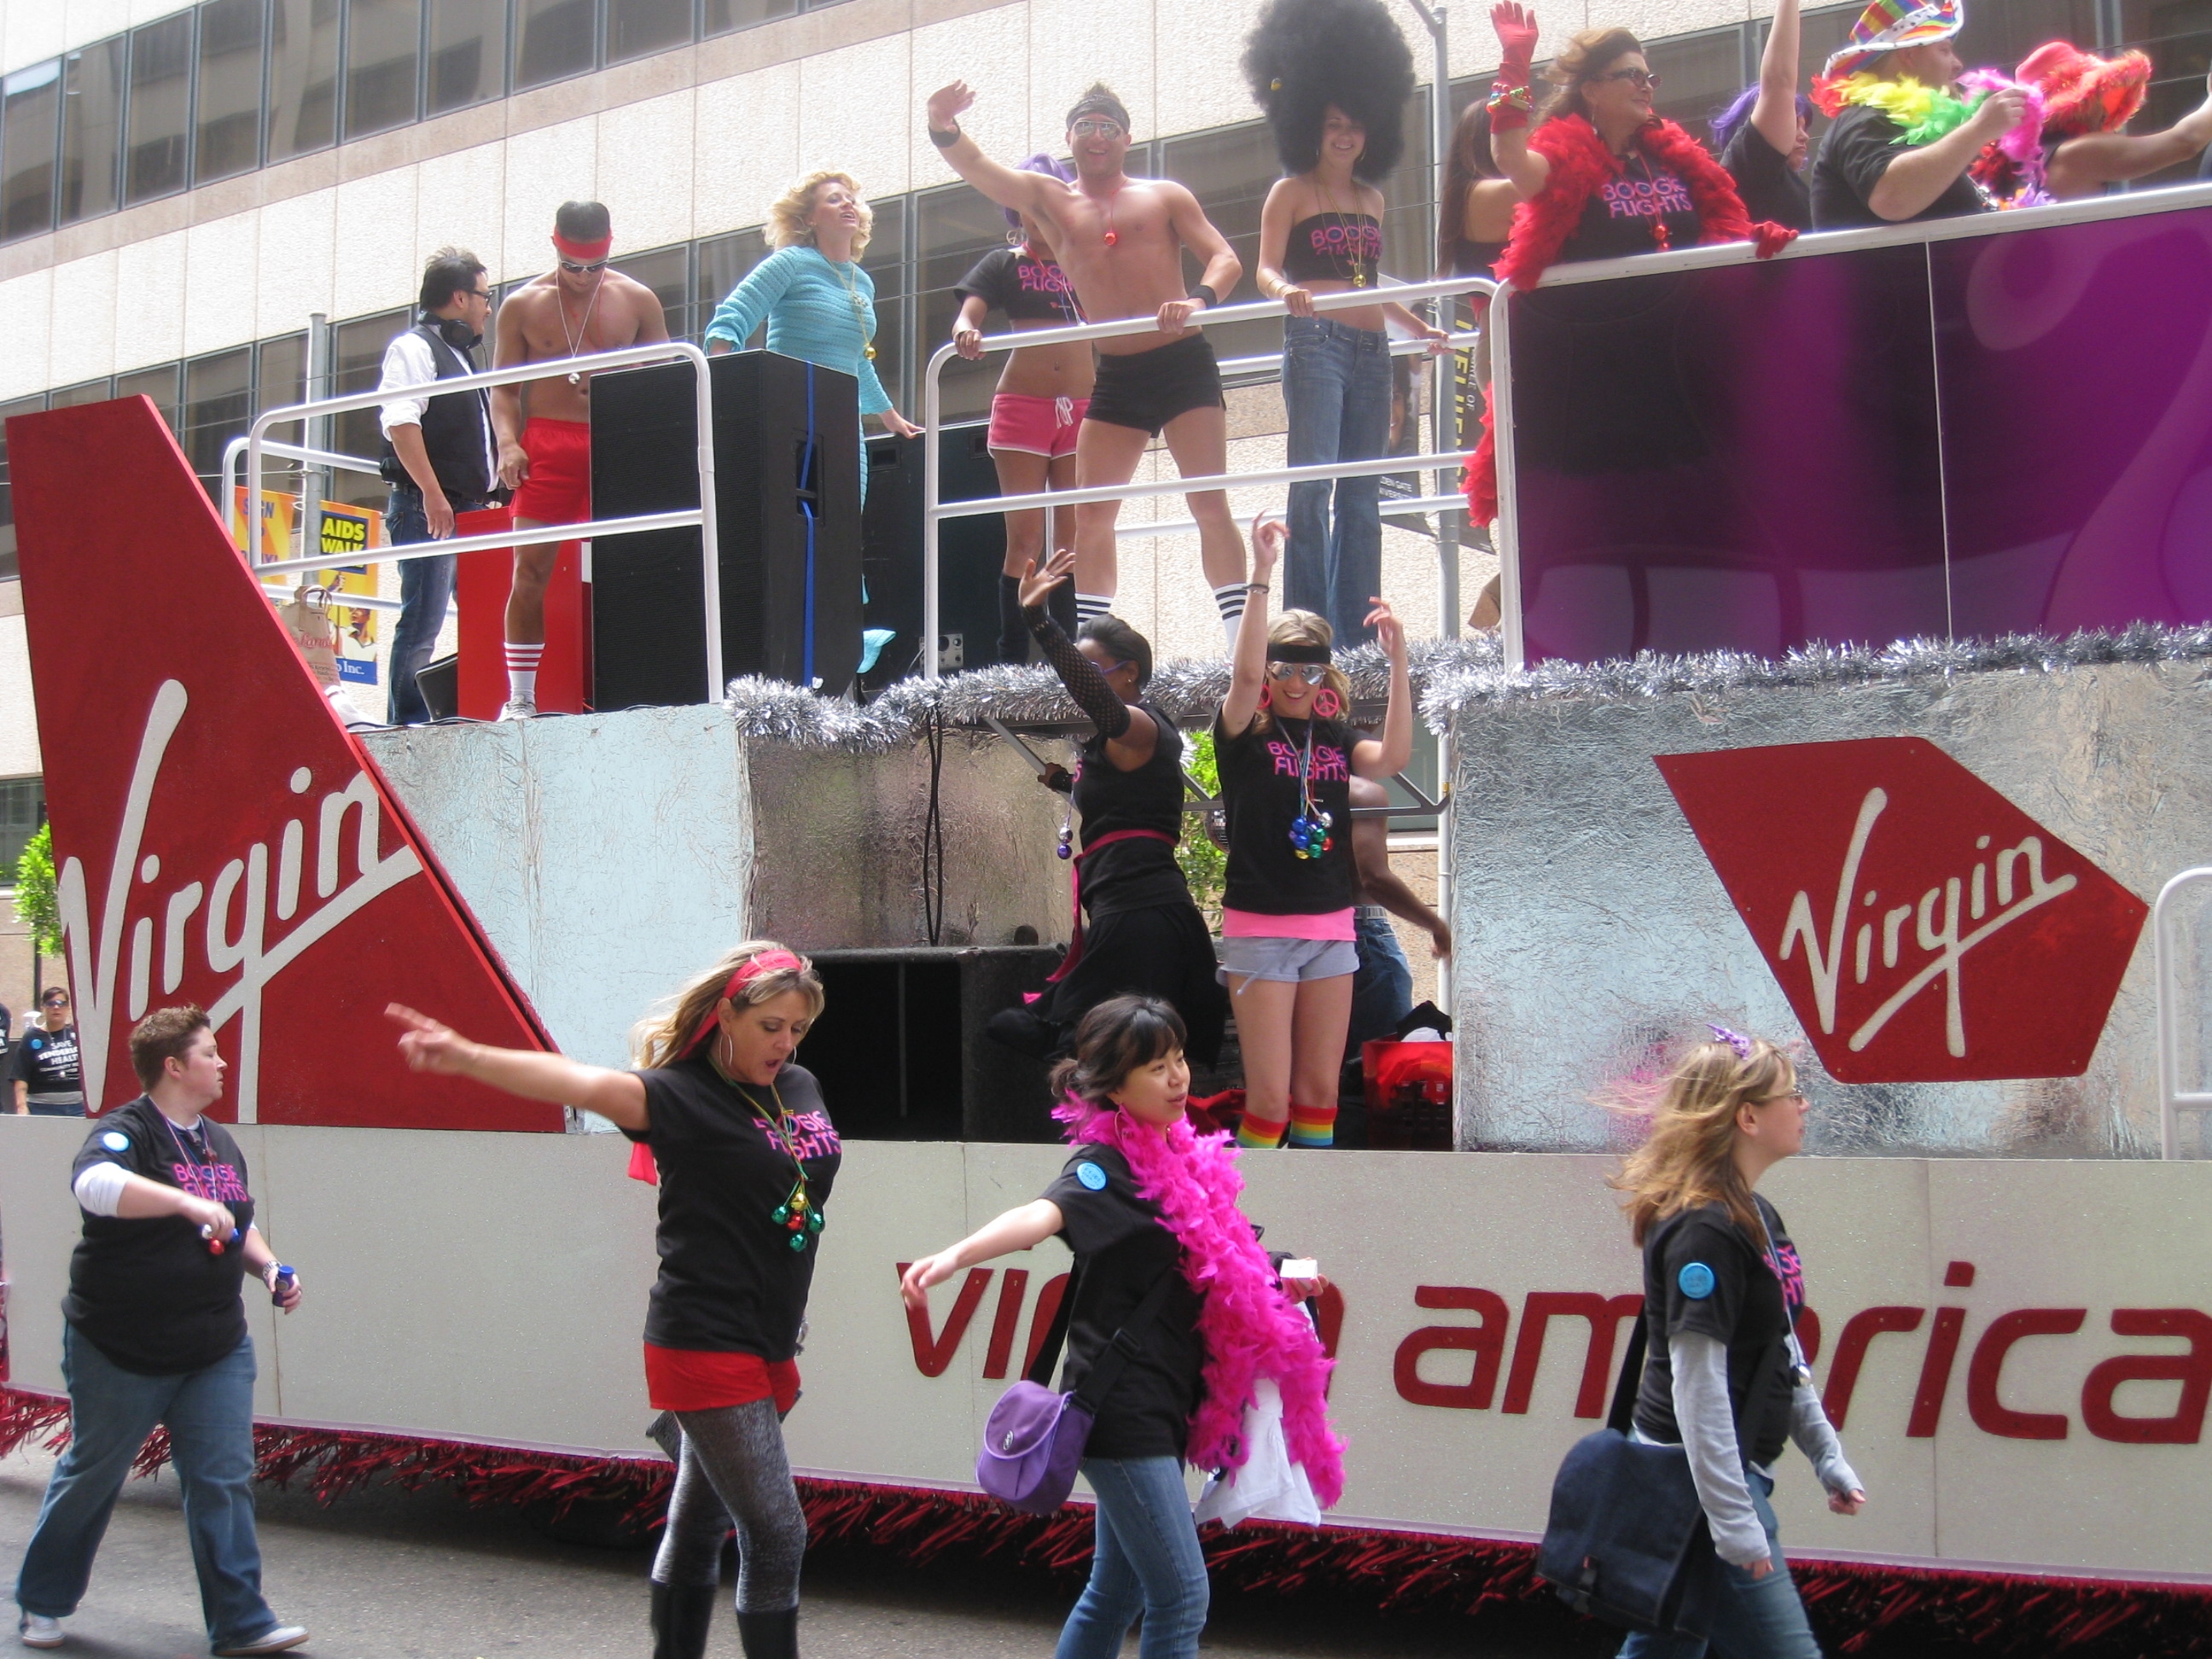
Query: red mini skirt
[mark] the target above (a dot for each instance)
(688, 1380)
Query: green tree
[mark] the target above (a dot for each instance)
(36, 900)
(1204, 866)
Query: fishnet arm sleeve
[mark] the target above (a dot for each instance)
(1079, 674)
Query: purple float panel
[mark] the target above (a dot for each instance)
(2076, 368)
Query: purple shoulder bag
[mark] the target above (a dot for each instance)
(1034, 1440)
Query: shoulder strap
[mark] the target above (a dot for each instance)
(1128, 1341)
(1623, 1415)
(1048, 1353)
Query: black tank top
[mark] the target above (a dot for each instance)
(1346, 247)
(1475, 258)
(1141, 871)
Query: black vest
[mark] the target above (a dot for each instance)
(455, 430)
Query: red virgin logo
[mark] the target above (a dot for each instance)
(1923, 928)
(219, 836)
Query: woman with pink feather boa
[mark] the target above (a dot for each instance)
(1142, 1196)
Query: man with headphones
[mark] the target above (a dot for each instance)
(439, 457)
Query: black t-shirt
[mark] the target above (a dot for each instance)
(1854, 156)
(1702, 1273)
(1769, 186)
(45, 1062)
(1260, 798)
(148, 1293)
(1121, 1247)
(1028, 289)
(1139, 873)
(1618, 218)
(730, 1282)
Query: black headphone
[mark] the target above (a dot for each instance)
(454, 331)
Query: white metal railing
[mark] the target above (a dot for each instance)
(259, 444)
(2173, 1099)
(934, 511)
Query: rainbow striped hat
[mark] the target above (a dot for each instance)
(1891, 26)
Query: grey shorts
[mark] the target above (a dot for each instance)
(1288, 959)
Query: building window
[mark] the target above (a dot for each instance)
(87, 391)
(229, 101)
(667, 272)
(218, 400)
(303, 77)
(468, 53)
(21, 406)
(357, 365)
(954, 227)
(721, 16)
(22, 810)
(1698, 76)
(159, 126)
(637, 27)
(723, 263)
(92, 130)
(555, 39)
(383, 46)
(30, 119)
(159, 383)
(885, 262)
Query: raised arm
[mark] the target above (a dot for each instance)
(1911, 184)
(1025, 193)
(1130, 735)
(1248, 667)
(1019, 1229)
(2082, 165)
(1774, 112)
(746, 305)
(1370, 758)
(427, 1046)
(1526, 169)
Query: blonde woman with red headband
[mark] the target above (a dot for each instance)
(745, 1155)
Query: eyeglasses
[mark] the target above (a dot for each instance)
(1313, 673)
(1095, 126)
(1642, 80)
(580, 271)
(56, 1001)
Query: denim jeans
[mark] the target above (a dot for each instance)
(210, 1417)
(1336, 388)
(1383, 988)
(1752, 1618)
(425, 587)
(1146, 1560)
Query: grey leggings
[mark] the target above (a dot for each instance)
(732, 1470)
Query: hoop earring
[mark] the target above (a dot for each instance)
(1266, 693)
(1327, 704)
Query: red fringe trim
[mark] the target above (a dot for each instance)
(1855, 1605)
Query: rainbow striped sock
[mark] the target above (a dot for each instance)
(1259, 1133)
(1313, 1126)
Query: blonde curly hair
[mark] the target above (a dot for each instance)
(790, 216)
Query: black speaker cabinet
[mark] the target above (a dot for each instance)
(787, 439)
(970, 554)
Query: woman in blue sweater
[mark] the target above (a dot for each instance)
(819, 304)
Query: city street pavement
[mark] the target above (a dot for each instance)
(389, 1575)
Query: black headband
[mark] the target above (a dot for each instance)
(1098, 103)
(1296, 650)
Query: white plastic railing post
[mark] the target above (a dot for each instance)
(2173, 1099)
(1507, 537)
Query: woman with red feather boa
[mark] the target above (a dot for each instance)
(1601, 176)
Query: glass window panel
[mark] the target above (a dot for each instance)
(2178, 35)
(721, 16)
(383, 40)
(22, 810)
(667, 272)
(2001, 34)
(159, 383)
(1698, 74)
(279, 376)
(723, 263)
(85, 392)
(218, 405)
(555, 39)
(1231, 170)
(954, 227)
(92, 130)
(885, 262)
(229, 104)
(357, 357)
(303, 77)
(30, 118)
(159, 129)
(636, 27)
(21, 406)
(468, 53)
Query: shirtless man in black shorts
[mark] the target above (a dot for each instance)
(1120, 241)
(578, 307)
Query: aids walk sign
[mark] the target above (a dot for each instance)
(1924, 928)
(219, 837)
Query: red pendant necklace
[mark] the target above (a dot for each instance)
(1112, 235)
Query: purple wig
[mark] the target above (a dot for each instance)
(1040, 163)
(1726, 124)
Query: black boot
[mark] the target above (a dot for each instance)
(1013, 632)
(769, 1635)
(682, 1616)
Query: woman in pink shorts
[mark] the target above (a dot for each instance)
(1038, 407)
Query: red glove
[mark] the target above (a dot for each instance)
(1516, 32)
(1769, 239)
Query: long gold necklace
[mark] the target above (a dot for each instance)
(861, 307)
(1344, 229)
(796, 1218)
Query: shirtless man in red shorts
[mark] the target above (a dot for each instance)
(1120, 241)
(580, 306)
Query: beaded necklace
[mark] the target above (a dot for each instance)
(1309, 831)
(796, 1216)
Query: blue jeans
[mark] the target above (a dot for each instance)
(210, 1417)
(1146, 1560)
(1383, 987)
(1752, 1618)
(425, 587)
(1336, 388)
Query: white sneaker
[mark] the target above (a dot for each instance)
(519, 708)
(35, 1629)
(283, 1640)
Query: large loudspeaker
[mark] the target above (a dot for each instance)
(970, 554)
(787, 438)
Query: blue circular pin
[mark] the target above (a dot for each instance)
(115, 1141)
(1091, 1176)
(1696, 1280)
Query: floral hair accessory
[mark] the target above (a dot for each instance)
(1735, 1039)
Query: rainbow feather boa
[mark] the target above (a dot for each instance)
(1249, 1329)
(1926, 113)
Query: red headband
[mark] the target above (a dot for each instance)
(767, 962)
(582, 254)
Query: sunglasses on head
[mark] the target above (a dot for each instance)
(1313, 673)
(583, 270)
(1096, 126)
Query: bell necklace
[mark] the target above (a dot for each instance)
(796, 1218)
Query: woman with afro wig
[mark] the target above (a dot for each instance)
(1334, 76)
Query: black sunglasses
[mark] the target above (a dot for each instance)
(583, 270)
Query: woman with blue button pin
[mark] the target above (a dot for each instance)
(1724, 1378)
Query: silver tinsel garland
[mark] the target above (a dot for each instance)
(1447, 676)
